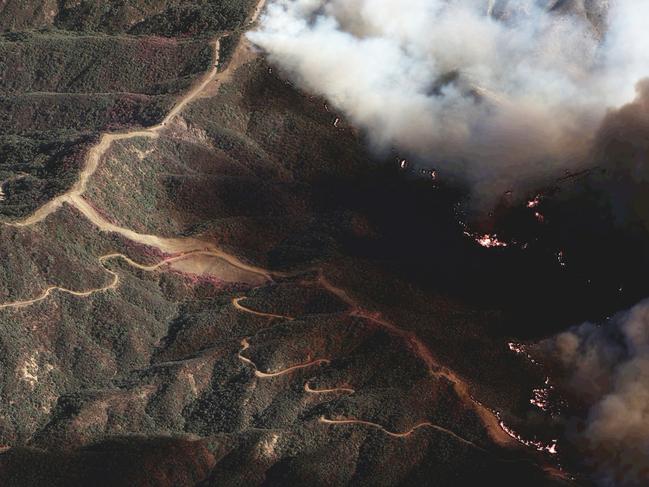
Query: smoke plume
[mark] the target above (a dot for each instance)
(503, 94)
(622, 148)
(498, 93)
(609, 369)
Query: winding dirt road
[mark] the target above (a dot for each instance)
(186, 248)
(181, 247)
(418, 347)
(245, 345)
(236, 302)
(489, 419)
(339, 390)
(165, 245)
(111, 285)
(404, 434)
(267, 375)
(95, 154)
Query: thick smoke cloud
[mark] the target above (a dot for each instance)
(499, 93)
(609, 369)
(622, 148)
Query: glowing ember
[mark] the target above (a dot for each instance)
(534, 202)
(519, 348)
(541, 399)
(540, 218)
(432, 173)
(552, 448)
(485, 240)
(516, 347)
(490, 241)
(403, 164)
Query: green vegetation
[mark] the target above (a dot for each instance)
(36, 168)
(63, 62)
(228, 44)
(60, 89)
(26, 114)
(161, 17)
(200, 17)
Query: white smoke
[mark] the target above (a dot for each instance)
(608, 368)
(497, 92)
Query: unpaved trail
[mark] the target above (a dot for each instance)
(415, 344)
(187, 248)
(489, 419)
(165, 245)
(114, 282)
(95, 154)
(179, 246)
(93, 159)
(236, 302)
(74, 196)
(343, 390)
(405, 434)
(245, 345)
(257, 12)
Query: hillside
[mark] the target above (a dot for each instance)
(206, 277)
